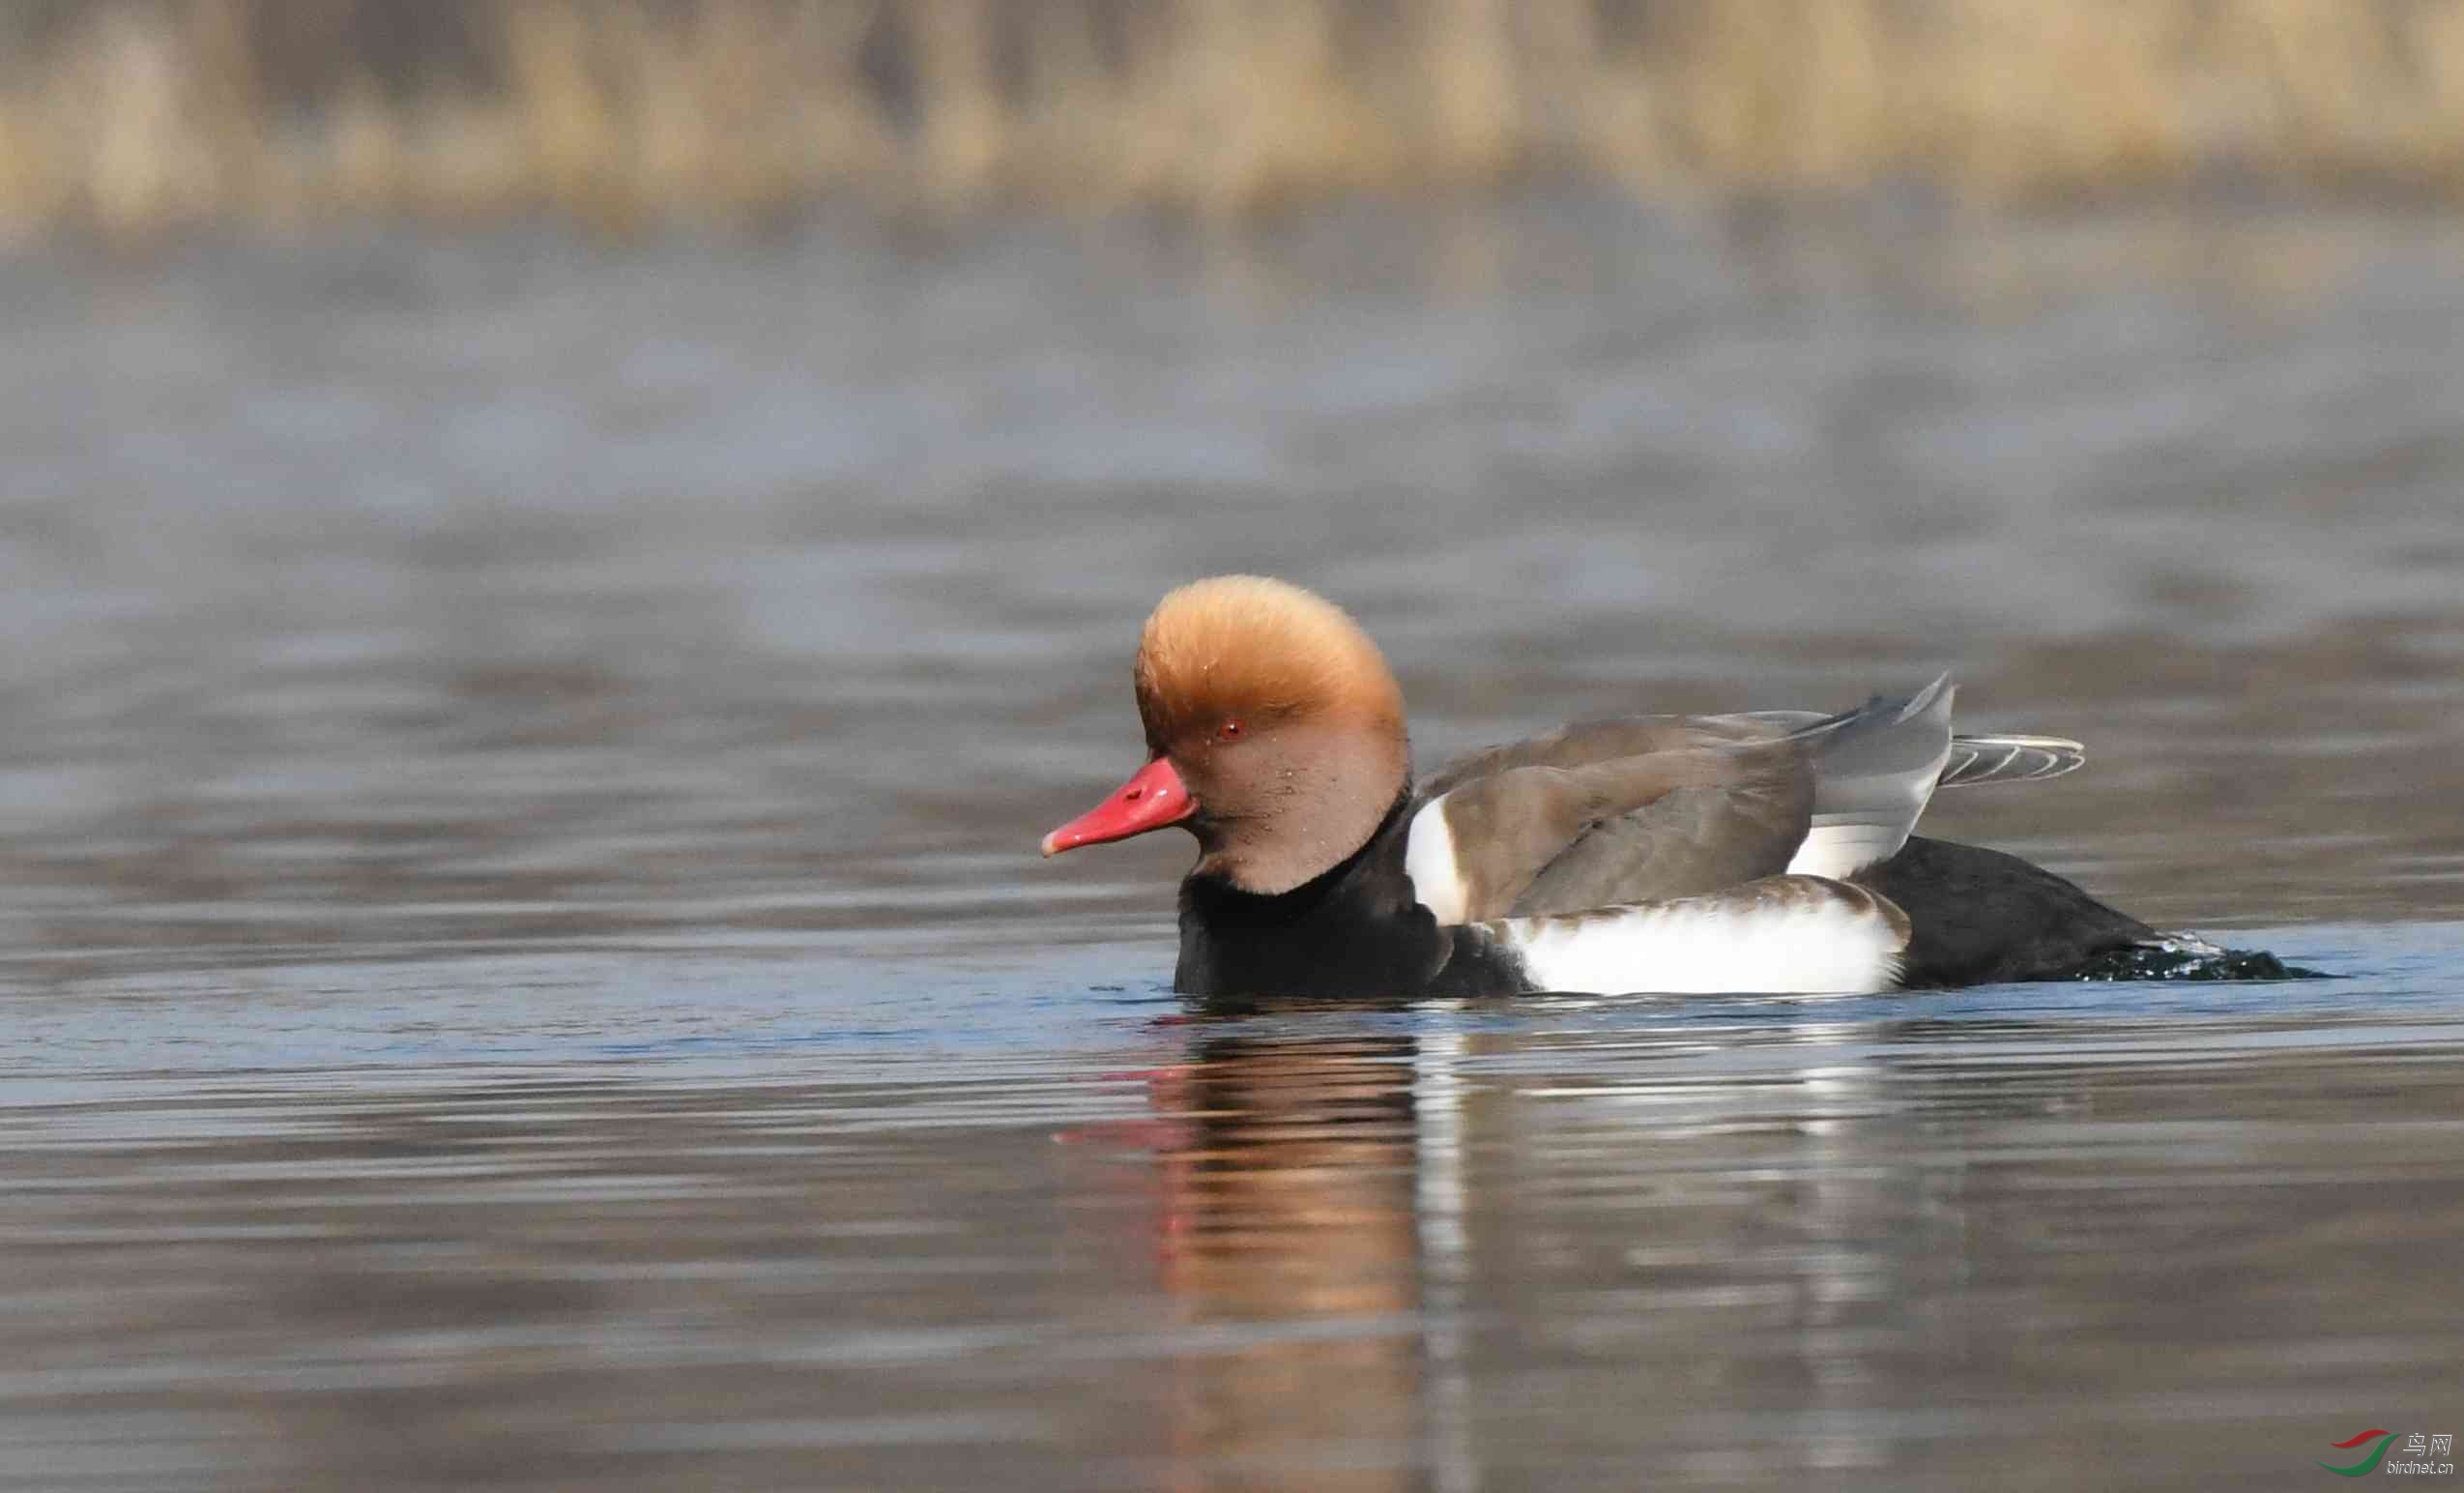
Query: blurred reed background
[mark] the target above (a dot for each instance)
(130, 117)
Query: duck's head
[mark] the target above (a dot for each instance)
(1274, 734)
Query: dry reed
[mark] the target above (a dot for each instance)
(129, 117)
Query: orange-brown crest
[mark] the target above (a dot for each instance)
(1257, 650)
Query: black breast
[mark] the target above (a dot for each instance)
(1357, 932)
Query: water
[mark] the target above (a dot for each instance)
(525, 965)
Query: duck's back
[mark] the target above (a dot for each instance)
(1608, 812)
(1644, 808)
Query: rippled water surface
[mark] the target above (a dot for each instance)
(523, 963)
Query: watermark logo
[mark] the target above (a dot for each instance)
(2423, 1452)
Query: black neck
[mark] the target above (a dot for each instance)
(1357, 930)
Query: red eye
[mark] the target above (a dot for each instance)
(1230, 731)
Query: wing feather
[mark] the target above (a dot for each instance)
(1653, 807)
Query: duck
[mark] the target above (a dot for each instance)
(1763, 851)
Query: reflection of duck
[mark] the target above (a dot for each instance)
(1293, 1219)
(1684, 853)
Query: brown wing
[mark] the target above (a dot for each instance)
(1627, 810)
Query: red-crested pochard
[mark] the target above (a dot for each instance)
(1765, 852)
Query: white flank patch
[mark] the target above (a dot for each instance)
(1429, 859)
(1711, 946)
